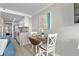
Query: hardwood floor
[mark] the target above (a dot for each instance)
(23, 51)
(26, 50)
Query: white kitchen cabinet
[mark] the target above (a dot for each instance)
(25, 22)
(21, 23)
(23, 38)
(24, 28)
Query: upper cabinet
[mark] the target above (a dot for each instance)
(24, 22)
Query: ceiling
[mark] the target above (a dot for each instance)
(10, 17)
(28, 8)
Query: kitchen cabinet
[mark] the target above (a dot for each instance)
(23, 36)
(25, 22)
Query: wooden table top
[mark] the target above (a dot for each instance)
(35, 40)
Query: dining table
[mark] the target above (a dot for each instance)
(37, 40)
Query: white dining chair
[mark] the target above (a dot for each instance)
(49, 47)
(33, 33)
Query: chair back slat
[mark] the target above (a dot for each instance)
(51, 42)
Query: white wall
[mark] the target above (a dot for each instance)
(62, 23)
(62, 15)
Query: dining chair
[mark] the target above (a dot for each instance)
(49, 46)
(34, 34)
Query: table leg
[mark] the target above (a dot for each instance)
(36, 49)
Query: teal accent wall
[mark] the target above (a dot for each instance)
(48, 20)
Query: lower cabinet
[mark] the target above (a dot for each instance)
(23, 38)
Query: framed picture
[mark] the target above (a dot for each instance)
(76, 12)
(45, 21)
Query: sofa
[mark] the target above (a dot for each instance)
(67, 48)
(10, 48)
(68, 41)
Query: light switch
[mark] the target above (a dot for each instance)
(78, 47)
